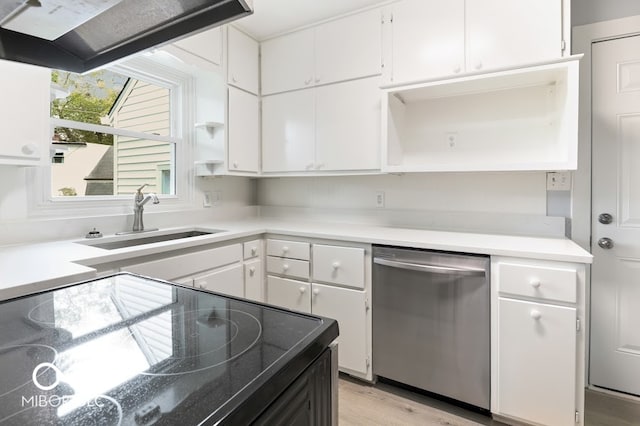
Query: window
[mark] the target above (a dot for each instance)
(112, 133)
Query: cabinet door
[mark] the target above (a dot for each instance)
(288, 135)
(226, 281)
(504, 33)
(287, 62)
(24, 114)
(243, 56)
(243, 131)
(290, 294)
(206, 45)
(427, 40)
(536, 362)
(254, 280)
(348, 125)
(348, 308)
(348, 48)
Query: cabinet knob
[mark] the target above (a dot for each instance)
(285, 249)
(29, 148)
(235, 165)
(319, 166)
(316, 291)
(309, 166)
(478, 65)
(308, 81)
(335, 265)
(254, 251)
(317, 79)
(252, 271)
(285, 267)
(535, 314)
(302, 290)
(203, 284)
(233, 78)
(535, 283)
(457, 69)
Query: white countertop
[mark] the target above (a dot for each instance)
(30, 268)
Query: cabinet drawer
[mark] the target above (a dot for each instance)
(226, 281)
(290, 249)
(338, 265)
(288, 267)
(252, 249)
(544, 282)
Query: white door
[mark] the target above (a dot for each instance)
(509, 32)
(287, 62)
(288, 131)
(348, 125)
(228, 281)
(427, 40)
(289, 294)
(615, 278)
(537, 347)
(348, 308)
(243, 59)
(244, 131)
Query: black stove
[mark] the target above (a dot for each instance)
(132, 350)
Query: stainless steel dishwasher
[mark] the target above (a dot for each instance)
(431, 322)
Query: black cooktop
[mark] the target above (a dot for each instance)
(131, 350)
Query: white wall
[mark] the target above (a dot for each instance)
(590, 11)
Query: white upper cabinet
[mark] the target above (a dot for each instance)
(423, 39)
(288, 131)
(338, 50)
(243, 131)
(328, 128)
(348, 48)
(205, 48)
(288, 62)
(503, 33)
(24, 114)
(347, 125)
(431, 39)
(243, 61)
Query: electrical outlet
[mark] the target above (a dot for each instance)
(559, 181)
(451, 139)
(380, 199)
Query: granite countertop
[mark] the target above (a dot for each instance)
(31, 268)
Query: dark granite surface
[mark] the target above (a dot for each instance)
(130, 350)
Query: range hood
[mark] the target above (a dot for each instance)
(80, 35)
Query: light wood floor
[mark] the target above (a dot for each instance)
(383, 404)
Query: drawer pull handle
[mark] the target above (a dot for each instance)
(536, 315)
(335, 265)
(316, 291)
(535, 283)
(302, 290)
(285, 267)
(252, 271)
(203, 284)
(254, 250)
(285, 249)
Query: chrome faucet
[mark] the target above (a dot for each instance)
(139, 200)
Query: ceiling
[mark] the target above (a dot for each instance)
(273, 17)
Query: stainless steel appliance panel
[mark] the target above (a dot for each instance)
(431, 322)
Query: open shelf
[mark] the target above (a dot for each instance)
(518, 119)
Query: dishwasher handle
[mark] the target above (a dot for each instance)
(429, 268)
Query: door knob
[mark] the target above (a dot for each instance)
(605, 218)
(605, 243)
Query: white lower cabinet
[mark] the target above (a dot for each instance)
(329, 280)
(537, 358)
(229, 280)
(234, 269)
(538, 349)
(343, 305)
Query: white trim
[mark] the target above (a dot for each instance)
(583, 38)
(182, 89)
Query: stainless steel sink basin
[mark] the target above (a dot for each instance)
(137, 240)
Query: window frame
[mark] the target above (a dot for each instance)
(181, 85)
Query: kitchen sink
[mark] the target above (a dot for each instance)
(137, 240)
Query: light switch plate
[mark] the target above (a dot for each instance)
(559, 181)
(206, 201)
